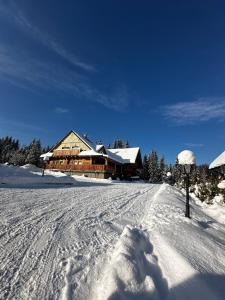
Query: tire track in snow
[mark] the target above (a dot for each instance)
(49, 228)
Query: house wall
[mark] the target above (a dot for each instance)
(72, 141)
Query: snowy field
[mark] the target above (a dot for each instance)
(76, 238)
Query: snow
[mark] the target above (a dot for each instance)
(221, 185)
(48, 154)
(219, 161)
(30, 175)
(128, 266)
(89, 153)
(98, 147)
(106, 240)
(124, 155)
(186, 157)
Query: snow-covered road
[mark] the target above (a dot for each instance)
(77, 238)
(53, 240)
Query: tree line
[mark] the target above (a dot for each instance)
(12, 152)
(203, 181)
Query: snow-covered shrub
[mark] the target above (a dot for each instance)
(207, 191)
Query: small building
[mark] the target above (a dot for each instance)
(219, 163)
(75, 154)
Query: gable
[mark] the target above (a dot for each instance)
(100, 149)
(72, 141)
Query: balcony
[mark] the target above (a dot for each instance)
(66, 152)
(81, 168)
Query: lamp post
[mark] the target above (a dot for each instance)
(45, 161)
(186, 158)
(187, 171)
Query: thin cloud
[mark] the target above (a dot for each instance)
(61, 110)
(20, 69)
(13, 14)
(194, 145)
(12, 124)
(25, 72)
(69, 57)
(201, 110)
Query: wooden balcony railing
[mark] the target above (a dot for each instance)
(66, 167)
(66, 152)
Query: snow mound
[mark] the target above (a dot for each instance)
(31, 168)
(30, 175)
(221, 185)
(127, 275)
(186, 157)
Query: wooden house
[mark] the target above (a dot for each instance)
(76, 154)
(219, 163)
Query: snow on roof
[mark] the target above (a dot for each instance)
(98, 147)
(219, 161)
(48, 154)
(86, 140)
(126, 155)
(90, 153)
(186, 157)
(123, 155)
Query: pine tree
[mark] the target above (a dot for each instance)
(18, 158)
(202, 173)
(177, 172)
(162, 167)
(145, 172)
(8, 146)
(34, 152)
(118, 144)
(154, 174)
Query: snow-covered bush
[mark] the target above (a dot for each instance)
(207, 191)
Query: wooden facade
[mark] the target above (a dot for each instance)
(76, 155)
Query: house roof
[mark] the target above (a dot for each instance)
(219, 161)
(99, 147)
(124, 155)
(46, 156)
(86, 141)
(89, 153)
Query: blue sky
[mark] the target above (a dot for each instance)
(150, 72)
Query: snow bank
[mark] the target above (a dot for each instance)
(221, 185)
(127, 274)
(186, 157)
(30, 175)
(215, 210)
(190, 252)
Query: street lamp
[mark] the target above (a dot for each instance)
(45, 157)
(186, 159)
